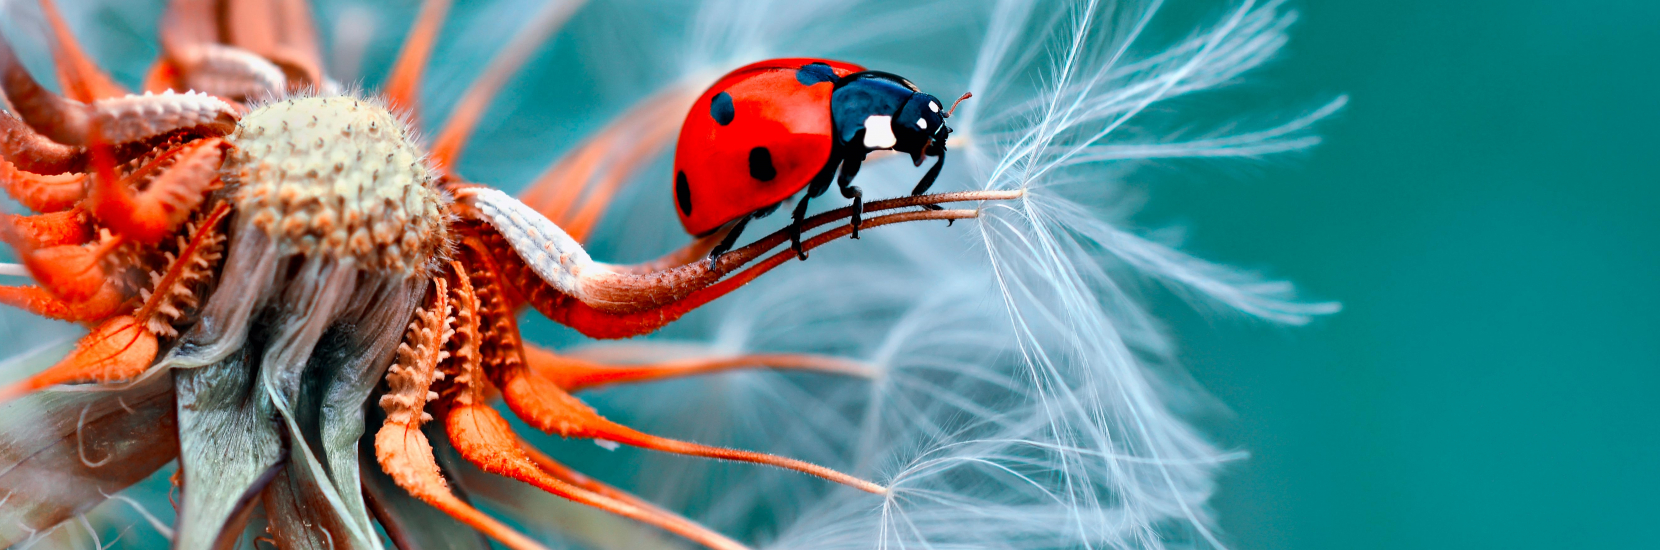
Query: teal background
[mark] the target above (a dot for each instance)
(1485, 210)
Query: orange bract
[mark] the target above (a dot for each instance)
(119, 349)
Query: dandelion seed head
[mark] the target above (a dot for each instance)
(1027, 396)
(338, 176)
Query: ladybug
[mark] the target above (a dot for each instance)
(768, 130)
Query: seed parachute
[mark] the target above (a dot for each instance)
(315, 316)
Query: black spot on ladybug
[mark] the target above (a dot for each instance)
(814, 73)
(720, 108)
(683, 193)
(760, 164)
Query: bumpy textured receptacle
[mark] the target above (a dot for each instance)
(338, 176)
(338, 226)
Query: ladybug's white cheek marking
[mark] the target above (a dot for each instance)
(922, 123)
(935, 107)
(879, 132)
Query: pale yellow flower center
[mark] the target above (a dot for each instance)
(337, 176)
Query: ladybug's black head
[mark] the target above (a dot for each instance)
(876, 110)
(919, 122)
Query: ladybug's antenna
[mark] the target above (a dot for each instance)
(953, 109)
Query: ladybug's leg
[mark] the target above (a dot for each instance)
(730, 239)
(928, 180)
(850, 168)
(798, 217)
(816, 187)
(936, 146)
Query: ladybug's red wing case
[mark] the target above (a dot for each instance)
(756, 137)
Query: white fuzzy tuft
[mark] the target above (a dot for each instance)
(1036, 415)
(1024, 400)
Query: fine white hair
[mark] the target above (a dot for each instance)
(1028, 398)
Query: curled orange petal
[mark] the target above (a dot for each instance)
(119, 349)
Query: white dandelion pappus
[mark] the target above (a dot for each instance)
(1029, 416)
(1019, 402)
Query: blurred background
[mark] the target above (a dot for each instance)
(1483, 208)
